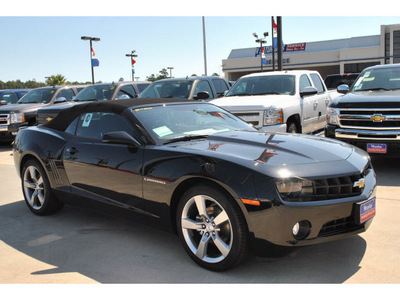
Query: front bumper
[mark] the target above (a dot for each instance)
(329, 220)
(275, 128)
(361, 138)
(8, 132)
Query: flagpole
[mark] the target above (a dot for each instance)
(91, 63)
(204, 46)
(90, 39)
(273, 46)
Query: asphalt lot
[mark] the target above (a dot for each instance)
(80, 246)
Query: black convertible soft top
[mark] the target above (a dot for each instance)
(66, 116)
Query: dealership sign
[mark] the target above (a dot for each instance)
(285, 48)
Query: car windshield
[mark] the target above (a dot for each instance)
(40, 95)
(378, 79)
(168, 89)
(96, 92)
(174, 122)
(333, 81)
(264, 85)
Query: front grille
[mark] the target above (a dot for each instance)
(251, 117)
(370, 123)
(358, 118)
(42, 119)
(329, 188)
(339, 226)
(4, 119)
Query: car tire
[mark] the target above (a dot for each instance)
(292, 128)
(212, 228)
(37, 191)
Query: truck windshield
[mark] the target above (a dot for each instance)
(264, 85)
(168, 89)
(96, 92)
(40, 95)
(378, 79)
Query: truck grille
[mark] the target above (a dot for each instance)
(370, 119)
(251, 117)
(42, 119)
(4, 119)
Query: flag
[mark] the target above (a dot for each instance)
(263, 59)
(274, 33)
(95, 61)
(133, 68)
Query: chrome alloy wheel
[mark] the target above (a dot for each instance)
(207, 229)
(34, 187)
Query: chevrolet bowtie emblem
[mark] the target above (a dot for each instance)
(360, 183)
(378, 118)
(49, 119)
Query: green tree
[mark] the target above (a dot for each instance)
(54, 80)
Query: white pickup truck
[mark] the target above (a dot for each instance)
(284, 101)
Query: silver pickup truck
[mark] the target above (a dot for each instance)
(284, 101)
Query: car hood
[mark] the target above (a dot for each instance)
(369, 99)
(20, 108)
(252, 102)
(280, 154)
(58, 107)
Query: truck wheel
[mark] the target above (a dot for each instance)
(212, 228)
(37, 191)
(292, 128)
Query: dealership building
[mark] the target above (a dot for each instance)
(348, 55)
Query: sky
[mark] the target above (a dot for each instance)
(39, 41)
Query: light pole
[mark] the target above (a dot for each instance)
(88, 38)
(261, 41)
(132, 61)
(170, 71)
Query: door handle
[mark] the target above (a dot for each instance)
(71, 151)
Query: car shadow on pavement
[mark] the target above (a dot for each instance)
(113, 250)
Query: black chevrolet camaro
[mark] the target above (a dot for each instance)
(221, 185)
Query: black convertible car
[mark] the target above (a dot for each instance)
(223, 186)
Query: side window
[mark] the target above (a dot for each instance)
(71, 129)
(220, 86)
(10, 98)
(95, 125)
(317, 83)
(127, 92)
(66, 93)
(204, 86)
(304, 82)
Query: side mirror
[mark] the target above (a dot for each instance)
(61, 99)
(120, 137)
(343, 89)
(308, 91)
(3, 102)
(202, 96)
(123, 97)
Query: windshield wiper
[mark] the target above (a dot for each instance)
(185, 138)
(81, 100)
(375, 89)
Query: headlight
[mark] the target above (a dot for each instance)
(273, 116)
(17, 118)
(291, 189)
(332, 115)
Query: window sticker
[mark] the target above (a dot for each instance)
(162, 131)
(366, 74)
(369, 79)
(88, 119)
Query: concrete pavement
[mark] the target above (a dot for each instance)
(80, 246)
